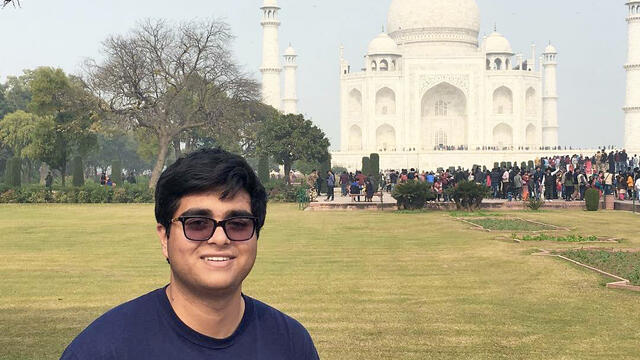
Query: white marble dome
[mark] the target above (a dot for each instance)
(290, 51)
(550, 49)
(270, 3)
(419, 15)
(382, 44)
(496, 43)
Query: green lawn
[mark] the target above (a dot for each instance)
(367, 285)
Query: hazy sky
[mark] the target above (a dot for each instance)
(590, 36)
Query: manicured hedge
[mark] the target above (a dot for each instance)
(90, 193)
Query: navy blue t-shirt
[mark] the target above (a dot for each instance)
(148, 328)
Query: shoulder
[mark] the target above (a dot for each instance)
(116, 327)
(284, 328)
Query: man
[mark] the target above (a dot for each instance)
(569, 185)
(210, 207)
(517, 185)
(582, 183)
(344, 183)
(331, 183)
(48, 181)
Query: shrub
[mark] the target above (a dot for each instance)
(9, 196)
(413, 195)
(13, 174)
(366, 162)
(374, 169)
(592, 199)
(120, 195)
(468, 195)
(263, 168)
(78, 171)
(279, 191)
(534, 203)
(91, 193)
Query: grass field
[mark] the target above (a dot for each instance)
(367, 285)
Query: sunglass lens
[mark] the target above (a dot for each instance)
(240, 229)
(198, 228)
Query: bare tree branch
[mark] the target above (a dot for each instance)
(170, 79)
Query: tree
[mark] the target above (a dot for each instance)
(78, 171)
(170, 80)
(287, 138)
(67, 112)
(7, 2)
(15, 94)
(263, 168)
(16, 131)
(366, 164)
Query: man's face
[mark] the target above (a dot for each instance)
(194, 264)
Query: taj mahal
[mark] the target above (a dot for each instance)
(432, 93)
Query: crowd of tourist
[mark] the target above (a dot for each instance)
(564, 177)
(558, 177)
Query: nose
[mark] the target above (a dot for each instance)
(219, 237)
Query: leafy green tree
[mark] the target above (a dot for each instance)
(16, 131)
(263, 168)
(121, 146)
(68, 114)
(15, 94)
(366, 164)
(13, 174)
(287, 138)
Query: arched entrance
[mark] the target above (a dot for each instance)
(444, 116)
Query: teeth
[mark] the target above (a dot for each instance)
(217, 258)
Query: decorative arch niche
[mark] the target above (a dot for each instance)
(355, 138)
(503, 101)
(386, 138)
(444, 109)
(531, 135)
(503, 135)
(355, 103)
(531, 103)
(385, 102)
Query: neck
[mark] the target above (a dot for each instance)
(211, 314)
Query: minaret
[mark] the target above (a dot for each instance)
(290, 101)
(270, 54)
(550, 98)
(632, 105)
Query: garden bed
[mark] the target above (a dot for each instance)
(509, 224)
(570, 238)
(625, 264)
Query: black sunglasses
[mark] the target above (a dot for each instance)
(201, 228)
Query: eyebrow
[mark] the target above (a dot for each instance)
(208, 213)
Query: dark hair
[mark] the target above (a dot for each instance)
(208, 170)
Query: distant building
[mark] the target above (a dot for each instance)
(271, 68)
(632, 107)
(429, 84)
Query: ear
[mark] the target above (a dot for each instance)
(162, 236)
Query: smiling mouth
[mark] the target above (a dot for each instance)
(217, 258)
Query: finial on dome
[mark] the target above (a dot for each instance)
(495, 27)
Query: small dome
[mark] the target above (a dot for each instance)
(270, 3)
(383, 45)
(496, 43)
(290, 51)
(550, 49)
